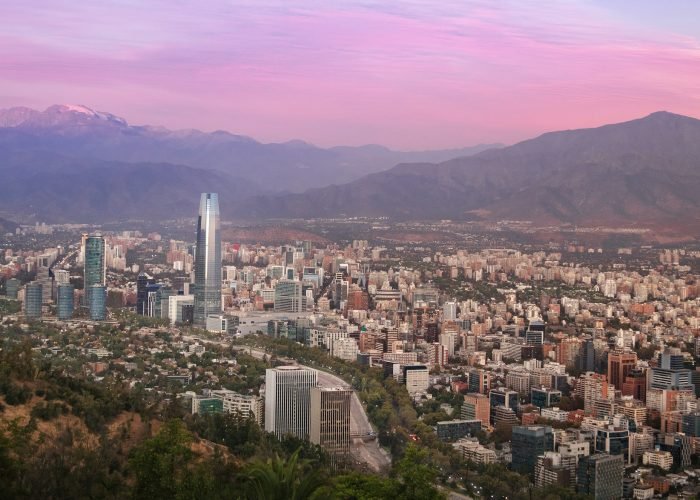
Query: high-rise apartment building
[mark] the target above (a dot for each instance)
(330, 420)
(207, 264)
(288, 400)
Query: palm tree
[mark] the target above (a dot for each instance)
(279, 479)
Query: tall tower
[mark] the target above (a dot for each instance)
(330, 420)
(288, 400)
(207, 264)
(95, 269)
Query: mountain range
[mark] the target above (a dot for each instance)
(70, 163)
(80, 132)
(641, 172)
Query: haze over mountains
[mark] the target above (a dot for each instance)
(71, 163)
(78, 132)
(644, 171)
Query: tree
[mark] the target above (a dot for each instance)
(159, 464)
(279, 479)
(416, 475)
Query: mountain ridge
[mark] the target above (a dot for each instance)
(640, 171)
(295, 165)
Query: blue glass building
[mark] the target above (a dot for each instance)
(65, 301)
(97, 302)
(33, 299)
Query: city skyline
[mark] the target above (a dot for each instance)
(409, 76)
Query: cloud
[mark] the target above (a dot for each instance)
(409, 74)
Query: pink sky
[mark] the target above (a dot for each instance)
(410, 75)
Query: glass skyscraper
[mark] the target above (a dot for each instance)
(33, 299)
(97, 302)
(207, 264)
(64, 306)
(95, 270)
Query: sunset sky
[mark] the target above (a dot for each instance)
(409, 75)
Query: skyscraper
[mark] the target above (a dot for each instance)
(95, 271)
(64, 302)
(207, 265)
(288, 400)
(330, 420)
(33, 300)
(97, 302)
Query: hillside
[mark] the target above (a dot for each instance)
(645, 171)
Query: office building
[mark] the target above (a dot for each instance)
(527, 443)
(600, 476)
(177, 305)
(143, 280)
(476, 407)
(544, 398)
(330, 420)
(452, 430)
(97, 302)
(288, 296)
(620, 365)
(503, 397)
(671, 373)
(65, 301)
(12, 288)
(207, 266)
(33, 300)
(416, 378)
(614, 441)
(288, 400)
(95, 270)
(44, 275)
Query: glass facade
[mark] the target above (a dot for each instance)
(12, 288)
(94, 261)
(97, 302)
(207, 265)
(527, 443)
(33, 298)
(64, 306)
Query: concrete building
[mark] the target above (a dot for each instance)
(288, 400)
(476, 407)
(247, 406)
(416, 378)
(330, 420)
